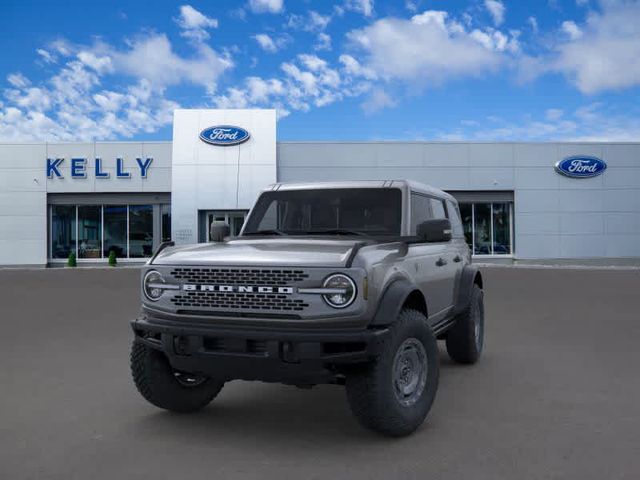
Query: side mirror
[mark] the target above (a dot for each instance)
(218, 231)
(435, 230)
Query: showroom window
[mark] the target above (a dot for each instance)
(115, 231)
(89, 231)
(165, 212)
(94, 231)
(140, 231)
(63, 230)
(488, 227)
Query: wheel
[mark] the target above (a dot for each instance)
(393, 394)
(166, 388)
(466, 338)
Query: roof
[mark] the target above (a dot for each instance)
(402, 184)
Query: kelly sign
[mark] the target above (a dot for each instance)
(78, 168)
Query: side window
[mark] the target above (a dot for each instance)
(270, 218)
(420, 210)
(437, 207)
(454, 217)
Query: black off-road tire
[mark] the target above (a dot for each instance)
(371, 390)
(464, 342)
(157, 382)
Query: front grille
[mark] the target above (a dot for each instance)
(236, 276)
(238, 301)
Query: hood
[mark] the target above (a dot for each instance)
(309, 252)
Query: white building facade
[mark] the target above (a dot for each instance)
(517, 204)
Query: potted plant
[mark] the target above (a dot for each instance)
(71, 261)
(112, 258)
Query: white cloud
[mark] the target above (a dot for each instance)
(47, 56)
(270, 44)
(496, 40)
(266, 6)
(590, 123)
(365, 7)
(497, 10)
(571, 29)
(378, 100)
(194, 23)
(307, 81)
(317, 21)
(553, 114)
(152, 58)
(72, 104)
(312, 22)
(266, 42)
(411, 5)
(602, 54)
(100, 63)
(353, 68)
(430, 48)
(18, 80)
(533, 22)
(323, 43)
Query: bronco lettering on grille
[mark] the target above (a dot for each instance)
(189, 287)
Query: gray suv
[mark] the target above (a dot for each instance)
(348, 283)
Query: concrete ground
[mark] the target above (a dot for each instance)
(556, 394)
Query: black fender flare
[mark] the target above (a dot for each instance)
(468, 278)
(392, 300)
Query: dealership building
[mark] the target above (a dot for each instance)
(520, 202)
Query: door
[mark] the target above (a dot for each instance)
(432, 263)
(234, 218)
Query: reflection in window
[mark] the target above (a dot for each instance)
(454, 217)
(165, 211)
(420, 211)
(89, 231)
(501, 229)
(487, 227)
(437, 208)
(115, 230)
(63, 230)
(482, 229)
(140, 231)
(466, 213)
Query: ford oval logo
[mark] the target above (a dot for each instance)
(581, 166)
(224, 135)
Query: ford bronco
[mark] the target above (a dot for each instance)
(348, 283)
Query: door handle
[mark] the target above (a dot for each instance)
(441, 262)
(457, 258)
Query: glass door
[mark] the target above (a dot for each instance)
(235, 220)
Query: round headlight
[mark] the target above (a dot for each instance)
(151, 285)
(345, 290)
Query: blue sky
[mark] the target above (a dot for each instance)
(335, 70)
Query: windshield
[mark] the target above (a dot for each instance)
(353, 211)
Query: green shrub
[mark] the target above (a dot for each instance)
(71, 261)
(112, 258)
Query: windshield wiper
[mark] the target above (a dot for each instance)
(338, 231)
(272, 231)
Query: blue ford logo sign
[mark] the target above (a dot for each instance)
(224, 135)
(581, 166)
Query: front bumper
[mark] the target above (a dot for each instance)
(296, 356)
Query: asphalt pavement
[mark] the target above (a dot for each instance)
(555, 396)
